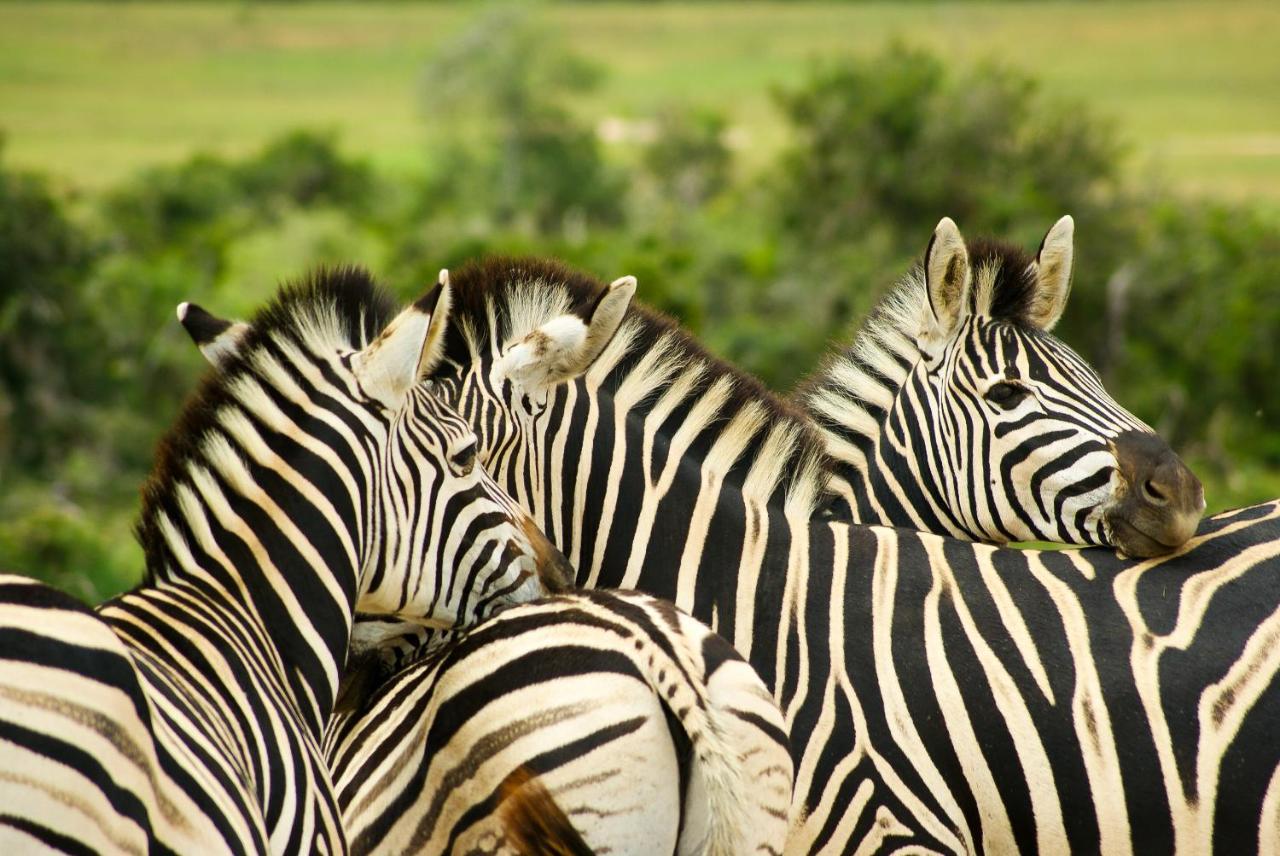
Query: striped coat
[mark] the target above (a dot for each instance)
(311, 475)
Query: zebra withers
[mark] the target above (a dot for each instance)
(313, 475)
(956, 411)
(649, 733)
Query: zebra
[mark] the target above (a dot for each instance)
(955, 411)
(617, 665)
(652, 728)
(312, 475)
(939, 695)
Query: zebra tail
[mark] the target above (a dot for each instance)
(534, 825)
(719, 779)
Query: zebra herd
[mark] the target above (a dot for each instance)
(357, 629)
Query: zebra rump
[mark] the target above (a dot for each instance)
(612, 711)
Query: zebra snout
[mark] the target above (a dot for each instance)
(554, 570)
(1162, 499)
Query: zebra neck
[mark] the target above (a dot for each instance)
(868, 402)
(613, 470)
(887, 470)
(277, 605)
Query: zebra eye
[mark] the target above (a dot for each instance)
(1006, 395)
(463, 460)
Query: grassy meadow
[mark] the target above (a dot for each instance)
(92, 91)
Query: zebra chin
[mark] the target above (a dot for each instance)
(1146, 543)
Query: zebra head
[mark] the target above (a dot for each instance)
(956, 410)
(434, 540)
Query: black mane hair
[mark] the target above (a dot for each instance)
(347, 294)
(1013, 287)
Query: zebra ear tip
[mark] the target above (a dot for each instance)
(946, 226)
(443, 279)
(627, 282)
(183, 308)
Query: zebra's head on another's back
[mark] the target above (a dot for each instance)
(957, 411)
(333, 370)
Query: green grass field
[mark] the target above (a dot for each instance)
(92, 91)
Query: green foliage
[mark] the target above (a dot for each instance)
(1172, 300)
(1195, 320)
(884, 146)
(197, 208)
(688, 159)
(884, 143)
(533, 165)
(48, 334)
(57, 542)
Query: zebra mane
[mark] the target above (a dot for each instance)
(328, 310)
(496, 300)
(855, 386)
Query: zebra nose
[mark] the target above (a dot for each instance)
(554, 570)
(1163, 500)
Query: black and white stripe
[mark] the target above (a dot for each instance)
(648, 731)
(311, 474)
(939, 695)
(956, 411)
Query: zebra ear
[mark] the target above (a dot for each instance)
(566, 346)
(946, 274)
(408, 350)
(1052, 269)
(218, 339)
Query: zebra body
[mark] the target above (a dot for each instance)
(939, 695)
(311, 475)
(648, 730)
(655, 471)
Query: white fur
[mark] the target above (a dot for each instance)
(565, 346)
(947, 253)
(388, 368)
(1053, 274)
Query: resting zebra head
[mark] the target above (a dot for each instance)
(323, 391)
(955, 410)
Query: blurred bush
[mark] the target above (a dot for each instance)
(1173, 299)
(1195, 318)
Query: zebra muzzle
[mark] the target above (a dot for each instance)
(1161, 500)
(554, 570)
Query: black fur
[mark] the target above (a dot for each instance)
(1015, 282)
(201, 326)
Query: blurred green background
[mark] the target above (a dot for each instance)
(766, 170)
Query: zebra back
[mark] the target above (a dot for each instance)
(646, 730)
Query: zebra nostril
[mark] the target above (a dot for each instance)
(1151, 493)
